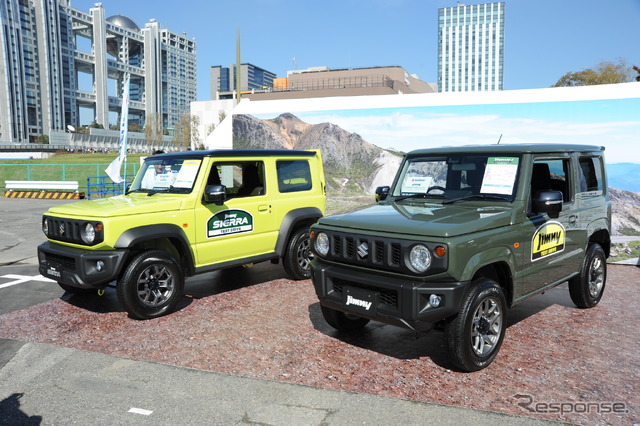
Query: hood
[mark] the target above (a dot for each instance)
(428, 220)
(121, 205)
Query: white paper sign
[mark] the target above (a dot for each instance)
(416, 185)
(500, 175)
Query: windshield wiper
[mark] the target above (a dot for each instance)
(476, 197)
(419, 195)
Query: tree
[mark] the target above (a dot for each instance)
(195, 130)
(605, 72)
(153, 130)
(636, 69)
(182, 133)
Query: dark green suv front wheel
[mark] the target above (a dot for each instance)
(475, 335)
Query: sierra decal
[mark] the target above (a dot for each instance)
(547, 240)
(229, 222)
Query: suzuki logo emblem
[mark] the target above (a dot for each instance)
(61, 228)
(363, 250)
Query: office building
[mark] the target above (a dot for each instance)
(471, 47)
(322, 82)
(223, 79)
(59, 65)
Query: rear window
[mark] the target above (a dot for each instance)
(590, 174)
(293, 175)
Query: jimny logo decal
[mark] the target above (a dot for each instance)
(547, 240)
(229, 222)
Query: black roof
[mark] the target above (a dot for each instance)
(239, 153)
(510, 148)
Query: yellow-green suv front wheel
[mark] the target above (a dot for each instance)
(151, 285)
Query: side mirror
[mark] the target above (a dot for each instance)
(216, 194)
(381, 193)
(549, 202)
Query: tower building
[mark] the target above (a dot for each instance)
(471, 47)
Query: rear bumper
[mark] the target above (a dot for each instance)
(390, 300)
(79, 268)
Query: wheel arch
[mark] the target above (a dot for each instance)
(293, 220)
(165, 236)
(603, 238)
(500, 272)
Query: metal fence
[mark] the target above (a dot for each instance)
(103, 187)
(64, 172)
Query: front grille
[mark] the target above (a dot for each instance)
(69, 230)
(64, 230)
(68, 263)
(378, 252)
(387, 297)
(367, 251)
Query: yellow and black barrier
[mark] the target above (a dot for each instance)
(53, 195)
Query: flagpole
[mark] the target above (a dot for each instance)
(125, 126)
(113, 170)
(238, 67)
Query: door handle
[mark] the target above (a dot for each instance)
(573, 219)
(264, 208)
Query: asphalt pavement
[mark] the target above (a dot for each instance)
(48, 384)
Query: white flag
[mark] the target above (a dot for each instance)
(113, 170)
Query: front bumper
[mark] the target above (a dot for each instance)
(79, 268)
(391, 300)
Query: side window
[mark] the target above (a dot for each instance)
(293, 175)
(590, 174)
(242, 179)
(551, 175)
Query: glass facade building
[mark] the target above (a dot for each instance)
(223, 79)
(59, 64)
(471, 47)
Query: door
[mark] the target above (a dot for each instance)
(553, 247)
(243, 226)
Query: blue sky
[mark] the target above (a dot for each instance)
(544, 38)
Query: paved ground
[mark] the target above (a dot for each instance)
(250, 346)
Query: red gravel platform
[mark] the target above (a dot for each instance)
(557, 362)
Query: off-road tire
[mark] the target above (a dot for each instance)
(342, 321)
(151, 285)
(475, 335)
(297, 257)
(586, 289)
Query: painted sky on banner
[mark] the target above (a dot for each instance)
(614, 123)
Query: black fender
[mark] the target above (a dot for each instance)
(132, 237)
(291, 221)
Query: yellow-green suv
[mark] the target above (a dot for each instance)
(185, 214)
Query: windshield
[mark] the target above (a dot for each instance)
(460, 177)
(167, 174)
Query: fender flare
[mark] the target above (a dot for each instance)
(306, 215)
(174, 233)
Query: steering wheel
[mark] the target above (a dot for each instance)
(437, 188)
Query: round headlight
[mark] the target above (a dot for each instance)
(420, 258)
(322, 244)
(45, 226)
(88, 233)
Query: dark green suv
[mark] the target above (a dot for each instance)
(461, 235)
